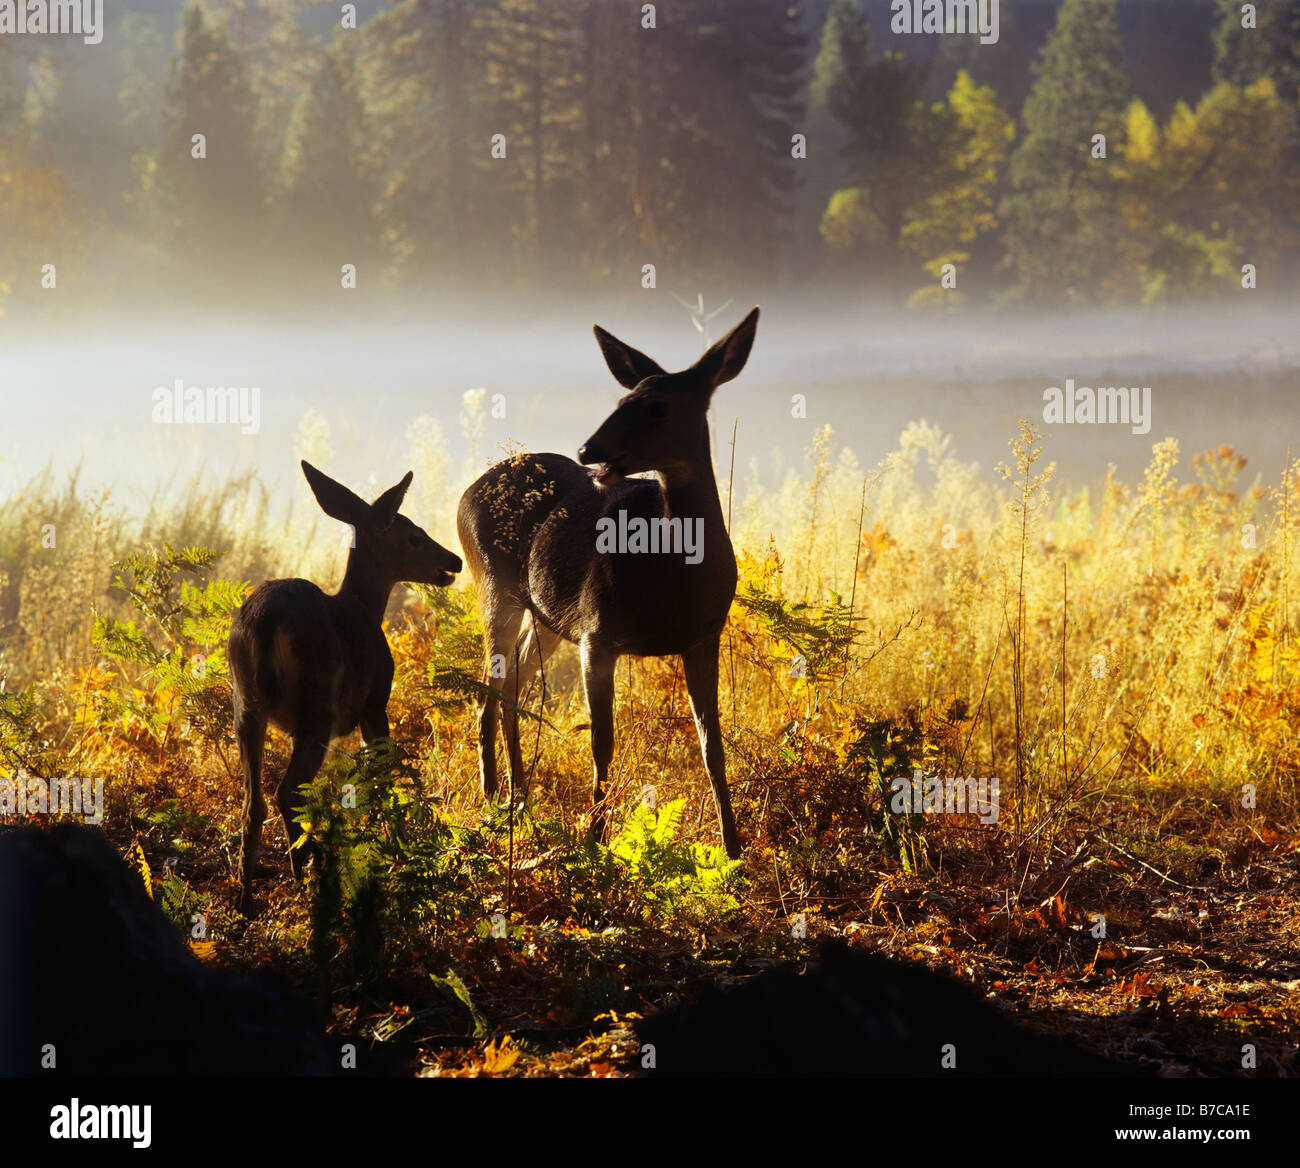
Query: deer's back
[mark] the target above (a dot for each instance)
(299, 656)
(530, 526)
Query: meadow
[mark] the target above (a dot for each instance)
(1121, 655)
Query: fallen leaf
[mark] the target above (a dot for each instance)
(498, 1058)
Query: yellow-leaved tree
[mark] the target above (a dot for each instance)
(942, 229)
(1209, 192)
(37, 221)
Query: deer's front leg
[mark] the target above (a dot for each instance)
(598, 684)
(701, 665)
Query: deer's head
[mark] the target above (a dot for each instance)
(398, 549)
(662, 424)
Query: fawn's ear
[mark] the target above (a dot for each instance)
(726, 358)
(334, 498)
(628, 366)
(384, 509)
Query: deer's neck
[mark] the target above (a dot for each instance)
(365, 586)
(691, 492)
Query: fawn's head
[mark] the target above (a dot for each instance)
(662, 424)
(398, 549)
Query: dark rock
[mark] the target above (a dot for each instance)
(856, 1013)
(90, 965)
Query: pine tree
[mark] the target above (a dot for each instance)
(1003, 65)
(719, 90)
(749, 179)
(330, 181)
(1061, 218)
(425, 81)
(214, 207)
(280, 58)
(535, 65)
(1272, 49)
(12, 123)
(842, 57)
(894, 145)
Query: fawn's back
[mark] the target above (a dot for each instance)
(295, 651)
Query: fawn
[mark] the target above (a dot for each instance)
(315, 665)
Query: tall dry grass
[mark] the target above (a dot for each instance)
(1079, 645)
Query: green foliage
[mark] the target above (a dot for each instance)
(177, 648)
(646, 870)
(1212, 186)
(588, 879)
(849, 225)
(675, 881)
(1186, 265)
(894, 140)
(843, 56)
(882, 753)
(386, 863)
(179, 902)
(371, 149)
(1271, 49)
(454, 667)
(177, 824)
(23, 739)
(822, 635)
(455, 988)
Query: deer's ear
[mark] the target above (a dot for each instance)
(727, 357)
(628, 366)
(334, 498)
(384, 509)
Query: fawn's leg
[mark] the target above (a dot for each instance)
(250, 731)
(308, 754)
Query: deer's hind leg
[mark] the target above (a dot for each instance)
(598, 684)
(535, 646)
(250, 731)
(308, 753)
(502, 619)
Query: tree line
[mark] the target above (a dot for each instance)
(586, 144)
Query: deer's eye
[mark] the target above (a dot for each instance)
(657, 409)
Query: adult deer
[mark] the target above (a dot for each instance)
(317, 665)
(537, 531)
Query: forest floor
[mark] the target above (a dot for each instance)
(1197, 974)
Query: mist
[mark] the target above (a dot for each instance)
(85, 403)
